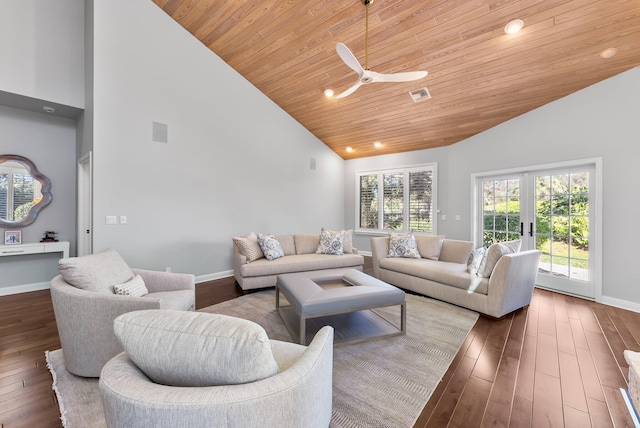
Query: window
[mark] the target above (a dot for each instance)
(399, 199)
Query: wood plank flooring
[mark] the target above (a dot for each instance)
(557, 363)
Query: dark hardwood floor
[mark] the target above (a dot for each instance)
(556, 363)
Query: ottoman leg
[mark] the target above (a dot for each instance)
(303, 330)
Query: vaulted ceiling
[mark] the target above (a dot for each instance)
(479, 76)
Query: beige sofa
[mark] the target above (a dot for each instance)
(509, 286)
(299, 256)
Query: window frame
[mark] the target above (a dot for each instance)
(406, 170)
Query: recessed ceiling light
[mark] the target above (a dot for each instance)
(48, 109)
(349, 149)
(608, 52)
(377, 144)
(514, 26)
(328, 93)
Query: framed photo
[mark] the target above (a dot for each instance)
(12, 237)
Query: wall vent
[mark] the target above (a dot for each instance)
(421, 94)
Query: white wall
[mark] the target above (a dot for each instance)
(599, 121)
(42, 50)
(234, 162)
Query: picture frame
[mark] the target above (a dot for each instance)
(12, 237)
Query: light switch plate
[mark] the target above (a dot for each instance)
(111, 219)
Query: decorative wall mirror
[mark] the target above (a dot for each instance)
(24, 191)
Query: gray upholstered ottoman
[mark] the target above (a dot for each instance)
(330, 296)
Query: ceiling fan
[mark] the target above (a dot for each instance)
(366, 76)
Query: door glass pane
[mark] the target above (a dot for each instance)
(562, 224)
(501, 210)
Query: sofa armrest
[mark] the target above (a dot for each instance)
(512, 281)
(379, 250)
(238, 260)
(157, 281)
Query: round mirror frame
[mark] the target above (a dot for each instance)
(46, 192)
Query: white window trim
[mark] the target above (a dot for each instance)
(434, 197)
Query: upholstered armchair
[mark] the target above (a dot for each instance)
(196, 369)
(85, 304)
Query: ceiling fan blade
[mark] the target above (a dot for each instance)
(400, 77)
(349, 58)
(350, 91)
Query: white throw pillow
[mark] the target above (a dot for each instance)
(493, 254)
(429, 246)
(183, 348)
(331, 242)
(270, 246)
(96, 272)
(248, 246)
(134, 287)
(403, 246)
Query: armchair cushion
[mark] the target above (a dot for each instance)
(195, 349)
(96, 272)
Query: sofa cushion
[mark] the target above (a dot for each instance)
(134, 287)
(403, 246)
(248, 246)
(287, 243)
(300, 263)
(270, 246)
(451, 274)
(306, 243)
(179, 348)
(331, 242)
(429, 246)
(348, 241)
(96, 272)
(493, 254)
(455, 251)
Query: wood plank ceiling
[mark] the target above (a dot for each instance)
(479, 76)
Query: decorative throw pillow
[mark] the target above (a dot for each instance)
(248, 246)
(95, 272)
(184, 348)
(429, 246)
(403, 246)
(331, 242)
(475, 258)
(493, 254)
(270, 246)
(347, 247)
(134, 287)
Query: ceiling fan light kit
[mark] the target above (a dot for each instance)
(366, 76)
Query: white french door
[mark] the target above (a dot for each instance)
(553, 210)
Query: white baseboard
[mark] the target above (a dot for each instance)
(622, 304)
(25, 288)
(213, 276)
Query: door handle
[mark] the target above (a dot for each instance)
(531, 229)
(521, 229)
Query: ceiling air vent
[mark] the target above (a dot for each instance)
(421, 94)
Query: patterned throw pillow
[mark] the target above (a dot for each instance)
(134, 287)
(403, 246)
(475, 258)
(270, 246)
(248, 246)
(331, 242)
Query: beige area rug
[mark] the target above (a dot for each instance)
(380, 383)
